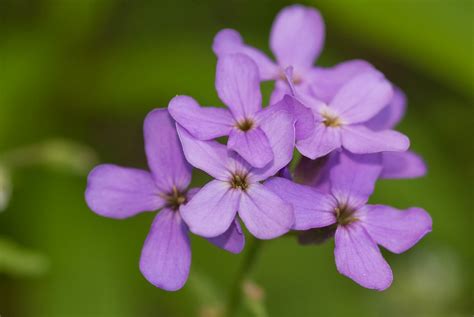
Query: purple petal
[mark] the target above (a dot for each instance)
(238, 85)
(361, 140)
(166, 254)
(204, 123)
(311, 172)
(211, 211)
(353, 178)
(394, 229)
(312, 209)
(402, 165)
(164, 153)
(252, 145)
(391, 114)
(326, 82)
(208, 156)
(229, 41)
(359, 258)
(233, 240)
(265, 214)
(322, 141)
(297, 36)
(362, 97)
(280, 131)
(304, 124)
(120, 192)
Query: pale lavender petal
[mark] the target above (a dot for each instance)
(394, 229)
(312, 209)
(238, 85)
(166, 254)
(280, 131)
(252, 145)
(362, 97)
(326, 82)
(204, 123)
(391, 114)
(321, 142)
(164, 153)
(208, 156)
(233, 240)
(303, 116)
(359, 258)
(120, 192)
(279, 91)
(229, 41)
(353, 178)
(359, 139)
(297, 36)
(265, 214)
(402, 165)
(211, 211)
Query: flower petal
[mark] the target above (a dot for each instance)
(303, 116)
(204, 123)
(361, 140)
(391, 114)
(211, 211)
(252, 145)
(402, 165)
(322, 141)
(359, 258)
(120, 192)
(238, 85)
(312, 209)
(394, 229)
(297, 36)
(280, 131)
(362, 97)
(166, 254)
(265, 214)
(326, 82)
(164, 153)
(229, 41)
(208, 156)
(233, 240)
(353, 178)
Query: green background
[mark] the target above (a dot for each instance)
(84, 73)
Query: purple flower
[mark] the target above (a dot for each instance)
(357, 227)
(296, 40)
(396, 164)
(120, 192)
(341, 123)
(236, 186)
(238, 86)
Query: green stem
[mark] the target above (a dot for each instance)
(245, 270)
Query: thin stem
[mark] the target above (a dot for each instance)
(245, 270)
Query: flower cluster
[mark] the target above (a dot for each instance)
(341, 120)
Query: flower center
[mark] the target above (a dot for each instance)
(245, 125)
(331, 120)
(295, 79)
(344, 215)
(239, 182)
(175, 199)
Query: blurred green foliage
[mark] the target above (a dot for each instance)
(90, 70)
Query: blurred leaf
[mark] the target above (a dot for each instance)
(18, 261)
(5, 187)
(55, 153)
